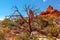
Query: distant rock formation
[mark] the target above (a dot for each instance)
(49, 9)
(31, 14)
(50, 12)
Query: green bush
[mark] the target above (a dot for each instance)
(54, 31)
(8, 22)
(41, 22)
(34, 37)
(22, 36)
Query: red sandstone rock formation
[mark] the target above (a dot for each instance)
(49, 9)
(31, 13)
(50, 12)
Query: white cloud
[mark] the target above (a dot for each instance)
(44, 0)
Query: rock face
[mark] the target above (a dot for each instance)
(49, 9)
(31, 14)
(50, 12)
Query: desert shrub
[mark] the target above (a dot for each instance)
(41, 22)
(34, 37)
(54, 31)
(5, 30)
(8, 22)
(2, 36)
(49, 35)
(50, 20)
(22, 36)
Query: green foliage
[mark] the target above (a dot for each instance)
(8, 22)
(34, 38)
(50, 20)
(41, 22)
(54, 31)
(22, 36)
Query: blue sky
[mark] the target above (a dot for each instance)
(6, 5)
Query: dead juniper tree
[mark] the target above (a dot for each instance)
(31, 13)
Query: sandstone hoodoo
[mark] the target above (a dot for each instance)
(31, 14)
